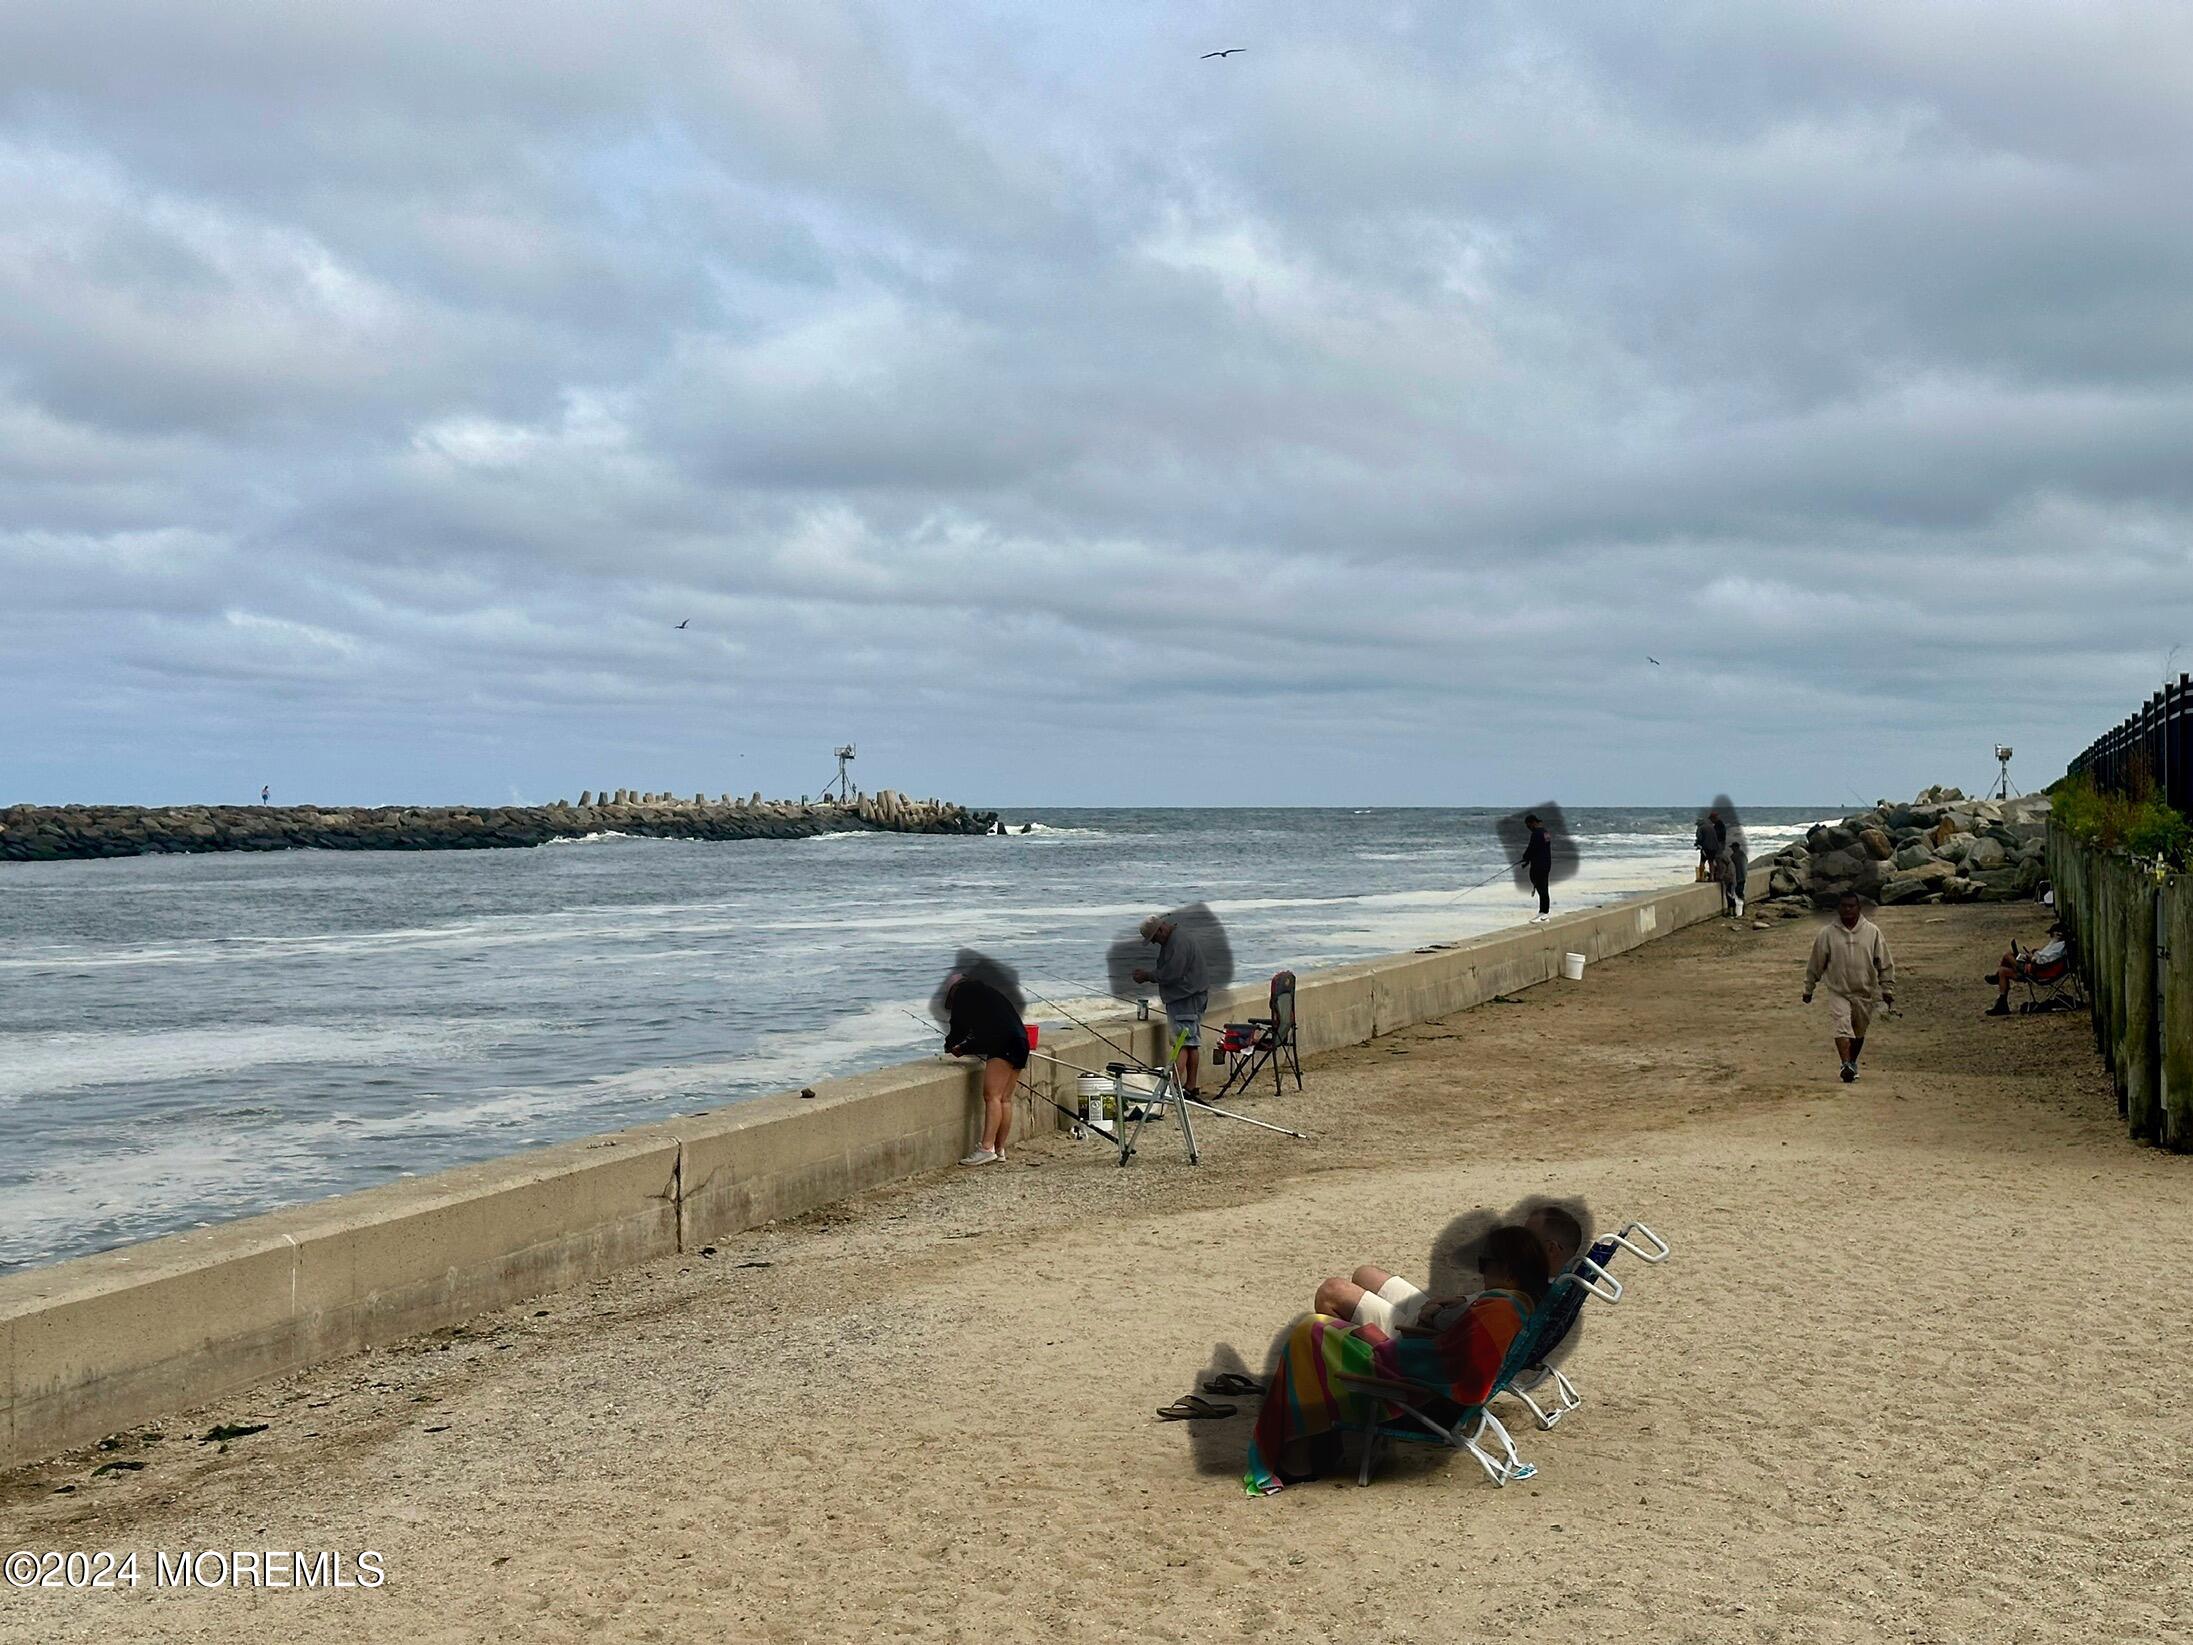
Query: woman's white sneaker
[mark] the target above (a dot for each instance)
(981, 1156)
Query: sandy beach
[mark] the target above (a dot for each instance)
(1908, 1376)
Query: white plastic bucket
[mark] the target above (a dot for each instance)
(1572, 967)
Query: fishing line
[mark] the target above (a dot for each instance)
(1505, 868)
(1024, 1084)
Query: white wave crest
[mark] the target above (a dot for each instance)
(587, 839)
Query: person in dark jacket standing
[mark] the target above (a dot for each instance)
(985, 1024)
(1184, 988)
(1538, 859)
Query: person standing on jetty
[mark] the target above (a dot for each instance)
(1538, 859)
(985, 1024)
(1712, 843)
(1853, 957)
(1738, 856)
(1184, 987)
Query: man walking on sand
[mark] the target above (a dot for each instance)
(1852, 955)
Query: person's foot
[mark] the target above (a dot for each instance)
(2001, 1008)
(981, 1156)
(1850, 1072)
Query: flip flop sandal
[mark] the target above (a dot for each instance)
(1233, 1382)
(1192, 1408)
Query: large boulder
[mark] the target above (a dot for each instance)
(1878, 845)
(1944, 831)
(1903, 888)
(1987, 853)
(1956, 848)
(1912, 854)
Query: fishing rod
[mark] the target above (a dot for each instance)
(1024, 1082)
(1505, 868)
(1091, 1029)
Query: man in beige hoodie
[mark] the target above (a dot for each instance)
(1852, 955)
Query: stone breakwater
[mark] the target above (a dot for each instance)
(1942, 847)
(35, 833)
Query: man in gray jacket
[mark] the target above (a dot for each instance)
(1183, 986)
(1853, 957)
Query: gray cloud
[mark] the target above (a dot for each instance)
(378, 387)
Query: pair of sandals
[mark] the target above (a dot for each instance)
(1196, 1408)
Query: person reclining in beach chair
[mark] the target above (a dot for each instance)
(1374, 1297)
(1318, 1391)
(2046, 967)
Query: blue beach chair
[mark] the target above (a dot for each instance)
(1586, 1278)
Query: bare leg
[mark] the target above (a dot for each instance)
(1190, 1061)
(1843, 1048)
(1338, 1298)
(998, 1079)
(1371, 1279)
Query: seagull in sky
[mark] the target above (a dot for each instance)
(1649, 657)
(687, 620)
(1228, 52)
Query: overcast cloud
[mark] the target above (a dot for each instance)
(1066, 418)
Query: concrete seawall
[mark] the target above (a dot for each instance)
(95, 1345)
(54, 833)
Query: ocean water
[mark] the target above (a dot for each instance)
(189, 1039)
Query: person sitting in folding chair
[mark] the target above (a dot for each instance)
(2038, 968)
(1183, 987)
(1374, 1297)
(1309, 1405)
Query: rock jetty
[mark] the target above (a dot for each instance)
(1942, 847)
(35, 833)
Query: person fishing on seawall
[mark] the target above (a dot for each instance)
(1183, 985)
(1538, 859)
(984, 1023)
(1712, 843)
(1738, 855)
(1852, 955)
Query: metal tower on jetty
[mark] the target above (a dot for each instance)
(2003, 790)
(843, 781)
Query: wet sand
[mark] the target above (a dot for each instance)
(1911, 1374)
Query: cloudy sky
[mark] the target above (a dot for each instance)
(1066, 418)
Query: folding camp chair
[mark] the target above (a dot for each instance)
(2050, 985)
(1586, 1278)
(1273, 1040)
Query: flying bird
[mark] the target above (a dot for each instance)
(687, 620)
(1228, 52)
(1650, 658)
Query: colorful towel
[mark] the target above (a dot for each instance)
(1307, 1400)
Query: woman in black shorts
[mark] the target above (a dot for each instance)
(984, 1023)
